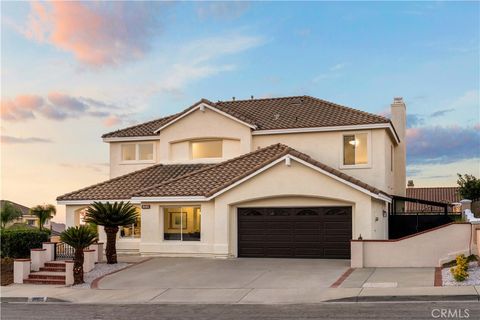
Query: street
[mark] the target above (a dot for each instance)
(398, 310)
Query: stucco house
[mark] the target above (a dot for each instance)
(280, 177)
(26, 217)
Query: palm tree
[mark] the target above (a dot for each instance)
(79, 238)
(8, 213)
(44, 213)
(111, 216)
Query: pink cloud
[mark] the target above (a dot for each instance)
(21, 107)
(97, 33)
(112, 121)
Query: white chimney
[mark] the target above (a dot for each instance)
(399, 121)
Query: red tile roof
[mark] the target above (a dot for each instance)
(121, 188)
(438, 194)
(196, 179)
(208, 181)
(271, 113)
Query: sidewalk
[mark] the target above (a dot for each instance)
(241, 296)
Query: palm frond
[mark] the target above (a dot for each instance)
(111, 214)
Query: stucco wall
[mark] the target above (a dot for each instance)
(327, 147)
(428, 249)
(174, 145)
(270, 186)
(152, 242)
(117, 168)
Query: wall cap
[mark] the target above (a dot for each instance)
(38, 249)
(21, 260)
(412, 235)
(465, 201)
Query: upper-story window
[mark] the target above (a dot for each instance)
(207, 149)
(138, 152)
(355, 149)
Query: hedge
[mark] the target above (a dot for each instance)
(17, 243)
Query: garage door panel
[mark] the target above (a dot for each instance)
(311, 232)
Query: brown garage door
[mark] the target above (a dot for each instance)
(313, 232)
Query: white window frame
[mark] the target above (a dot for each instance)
(190, 146)
(369, 150)
(137, 153)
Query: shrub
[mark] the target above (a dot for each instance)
(17, 243)
(460, 271)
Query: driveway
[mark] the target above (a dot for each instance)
(184, 280)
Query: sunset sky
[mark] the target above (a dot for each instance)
(74, 70)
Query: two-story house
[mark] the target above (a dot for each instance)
(281, 177)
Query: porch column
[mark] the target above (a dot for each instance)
(222, 223)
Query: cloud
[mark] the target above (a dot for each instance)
(58, 106)
(96, 167)
(21, 107)
(222, 10)
(112, 121)
(414, 120)
(442, 144)
(17, 140)
(199, 59)
(96, 33)
(440, 113)
(332, 72)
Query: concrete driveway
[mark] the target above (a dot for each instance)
(187, 280)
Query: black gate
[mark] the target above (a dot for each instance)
(404, 222)
(64, 252)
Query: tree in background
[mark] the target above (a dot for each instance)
(111, 216)
(469, 186)
(43, 213)
(79, 238)
(8, 214)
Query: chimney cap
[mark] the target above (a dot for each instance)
(398, 100)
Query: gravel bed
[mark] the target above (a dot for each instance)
(472, 280)
(100, 269)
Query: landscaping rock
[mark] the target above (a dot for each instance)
(472, 280)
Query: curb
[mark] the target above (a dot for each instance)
(465, 297)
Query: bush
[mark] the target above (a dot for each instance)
(459, 272)
(17, 243)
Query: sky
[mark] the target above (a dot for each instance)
(71, 71)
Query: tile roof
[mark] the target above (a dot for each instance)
(122, 187)
(271, 113)
(208, 181)
(437, 194)
(25, 210)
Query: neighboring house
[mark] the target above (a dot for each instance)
(449, 195)
(280, 177)
(26, 217)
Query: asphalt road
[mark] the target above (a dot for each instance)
(398, 310)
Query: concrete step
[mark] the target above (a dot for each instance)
(47, 275)
(55, 264)
(44, 281)
(53, 269)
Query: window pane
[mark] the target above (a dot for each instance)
(145, 151)
(349, 150)
(361, 154)
(128, 152)
(207, 149)
(355, 149)
(133, 230)
(181, 224)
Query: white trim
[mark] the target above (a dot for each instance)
(125, 139)
(204, 105)
(367, 165)
(326, 129)
(81, 202)
(170, 199)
